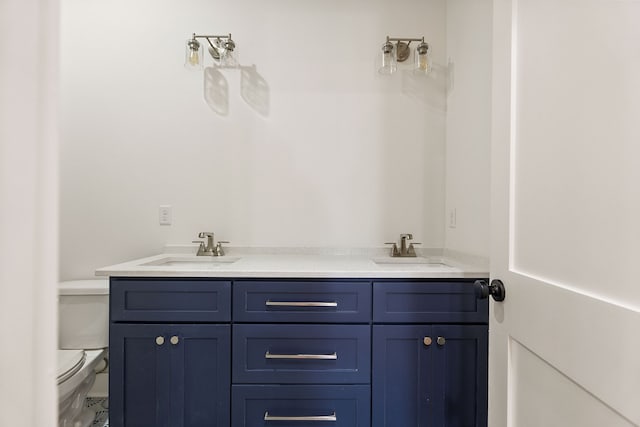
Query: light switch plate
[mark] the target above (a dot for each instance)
(164, 214)
(453, 220)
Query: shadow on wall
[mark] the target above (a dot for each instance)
(430, 89)
(254, 90)
(216, 91)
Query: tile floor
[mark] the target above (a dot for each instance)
(101, 407)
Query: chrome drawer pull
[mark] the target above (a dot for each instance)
(331, 417)
(333, 356)
(270, 303)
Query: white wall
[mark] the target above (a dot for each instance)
(468, 125)
(313, 148)
(28, 218)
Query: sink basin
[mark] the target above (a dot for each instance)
(408, 260)
(191, 262)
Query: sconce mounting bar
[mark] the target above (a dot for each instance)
(204, 36)
(399, 39)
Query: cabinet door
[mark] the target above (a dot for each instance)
(200, 375)
(403, 372)
(138, 376)
(460, 396)
(168, 375)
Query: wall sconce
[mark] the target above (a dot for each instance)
(392, 53)
(221, 48)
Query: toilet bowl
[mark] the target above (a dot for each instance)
(83, 311)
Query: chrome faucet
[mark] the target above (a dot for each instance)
(404, 251)
(209, 249)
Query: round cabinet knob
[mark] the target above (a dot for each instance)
(174, 340)
(159, 340)
(427, 341)
(441, 341)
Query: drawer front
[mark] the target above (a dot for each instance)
(302, 354)
(169, 300)
(428, 302)
(300, 406)
(302, 301)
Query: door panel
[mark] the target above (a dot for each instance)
(461, 375)
(565, 164)
(201, 365)
(403, 376)
(534, 405)
(138, 379)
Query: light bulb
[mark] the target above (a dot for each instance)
(193, 55)
(194, 58)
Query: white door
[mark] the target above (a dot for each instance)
(565, 344)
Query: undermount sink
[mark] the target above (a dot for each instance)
(408, 260)
(191, 262)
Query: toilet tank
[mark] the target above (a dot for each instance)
(83, 314)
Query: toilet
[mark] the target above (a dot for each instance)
(83, 338)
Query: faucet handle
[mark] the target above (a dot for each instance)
(394, 249)
(411, 251)
(201, 248)
(218, 250)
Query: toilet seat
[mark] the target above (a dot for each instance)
(69, 363)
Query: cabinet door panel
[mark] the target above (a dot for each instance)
(154, 382)
(402, 376)
(200, 378)
(138, 376)
(461, 376)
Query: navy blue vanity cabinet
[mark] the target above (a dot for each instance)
(194, 352)
(430, 343)
(163, 373)
(301, 353)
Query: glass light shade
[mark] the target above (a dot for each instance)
(193, 55)
(422, 60)
(228, 53)
(387, 61)
(229, 58)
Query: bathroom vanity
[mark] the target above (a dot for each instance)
(296, 341)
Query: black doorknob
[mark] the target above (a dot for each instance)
(495, 289)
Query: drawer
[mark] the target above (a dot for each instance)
(302, 301)
(300, 406)
(302, 354)
(169, 300)
(428, 302)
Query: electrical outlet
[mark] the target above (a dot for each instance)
(164, 214)
(452, 218)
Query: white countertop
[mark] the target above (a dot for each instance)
(300, 263)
